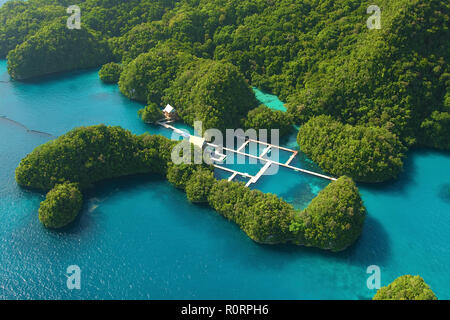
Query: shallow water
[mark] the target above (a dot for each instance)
(140, 238)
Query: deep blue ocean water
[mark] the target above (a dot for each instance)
(140, 238)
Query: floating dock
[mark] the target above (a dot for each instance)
(262, 158)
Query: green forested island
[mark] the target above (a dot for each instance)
(387, 88)
(67, 166)
(367, 154)
(361, 98)
(406, 288)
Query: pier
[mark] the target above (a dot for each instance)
(219, 157)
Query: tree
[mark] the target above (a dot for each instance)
(179, 174)
(61, 206)
(367, 154)
(199, 186)
(265, 218)
(110, 72)
(265, 118)
(151, 113)
(213, 92)
(334, 219)
(146, 77)
(87, 155)
(406, 287)
(21, 19)
(55, 48)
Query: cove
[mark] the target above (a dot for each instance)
(139, 238)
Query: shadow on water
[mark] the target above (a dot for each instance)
(396, 186)
(406, 177)
(54, 77)
(371, 248)
(100, 192)
(444, 192)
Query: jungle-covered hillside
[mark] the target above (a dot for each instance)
(317, 55)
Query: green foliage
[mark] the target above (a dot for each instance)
(76, 49)
(61, 206)
(395, 77)
(368, 154)
(436, 130)
(21, 19)
(86, 155)
(406, 287)
(191, 160)
(114, 17)
(213, 92)
(265, 218)
(145, 78)
(151, 113)
(110, 72)
(318, 56)
(199, 186)
(91, 154)
(265, 118)
(179, 174)
(137, 41)
(334, 219)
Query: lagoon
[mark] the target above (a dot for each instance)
(139, 238)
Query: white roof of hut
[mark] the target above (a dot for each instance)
(169, 109)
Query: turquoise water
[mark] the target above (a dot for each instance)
(140, 238)
(269, 100)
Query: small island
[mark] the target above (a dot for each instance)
(67, 166)
(61, 206)
(406, 287)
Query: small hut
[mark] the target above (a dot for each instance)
(170, 113)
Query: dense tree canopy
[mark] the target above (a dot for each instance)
(86, 155)
(263, 217)
(151, 113)
(265, 118)
(91, 154)
(21, 19)
(110, 72)
(395, 77)
(145, 78)
(368, 154)
(199, 185)
(61, 206)
(334, 219)
(179, 174)
(213, 92)
(319, 57)
(76, 49)
(406, 288)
